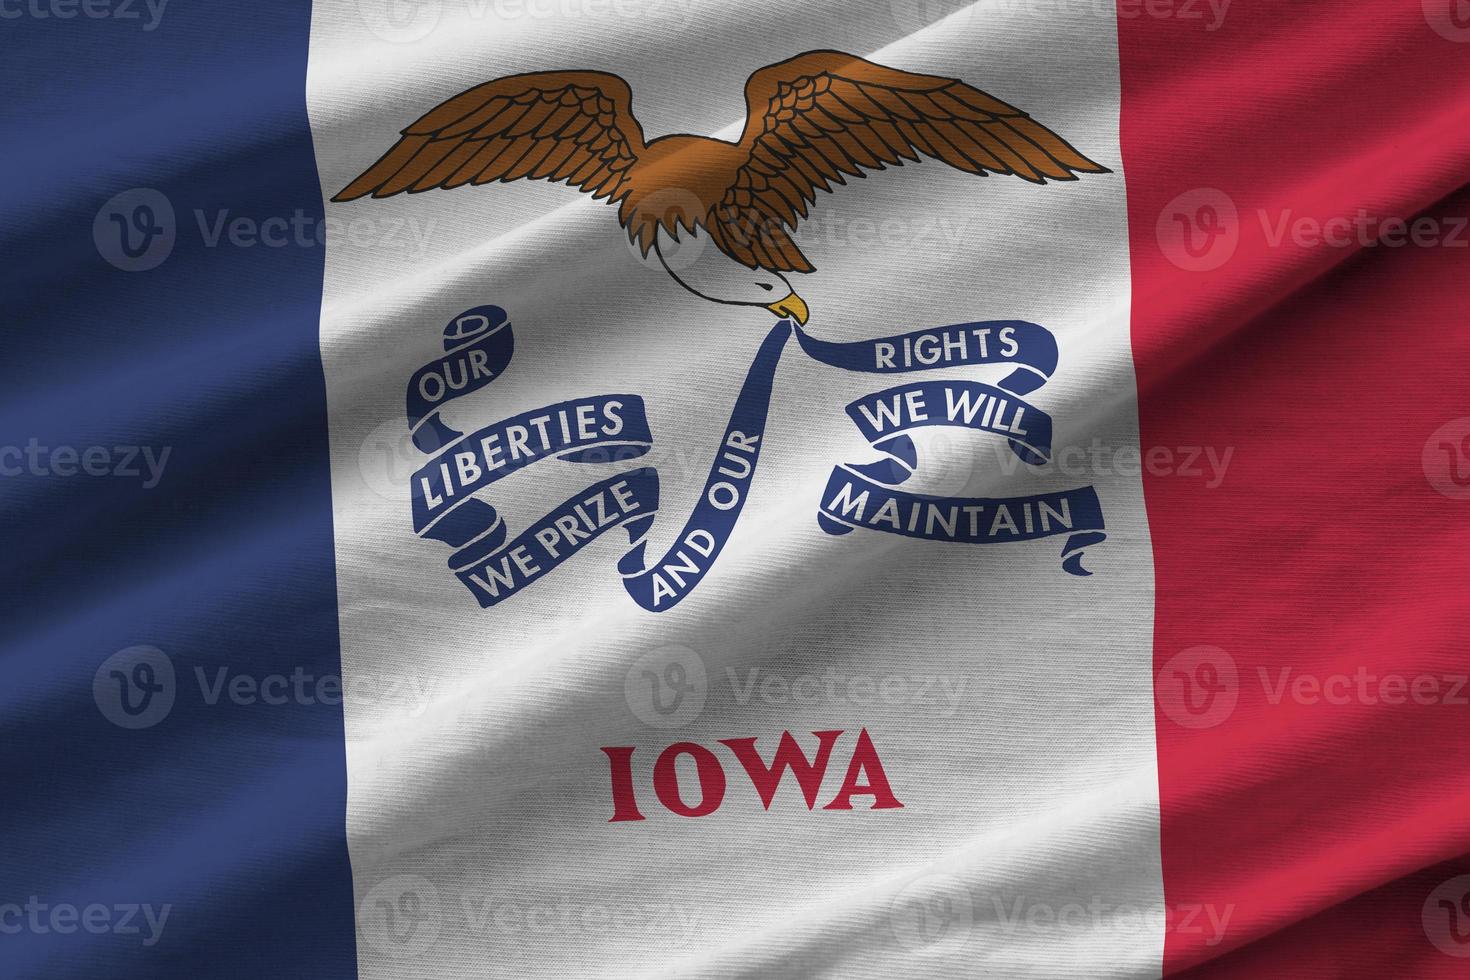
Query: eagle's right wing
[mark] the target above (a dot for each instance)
(576, 126)
(820, 115)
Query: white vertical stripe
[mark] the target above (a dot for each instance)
(1026, 764)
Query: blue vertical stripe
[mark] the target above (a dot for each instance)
(172, 771)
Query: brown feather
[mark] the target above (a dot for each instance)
(519, 148)
(958, 109)
(925, 106)
(1060, 150)
(388, 165)
(424, 161)
(561, 116)
(500, 123)
(915, 137)
(561, 152)
(485, 152)
(874, 144)
(983, 101)
(476, 119)
(947, 151)
(893, 102)
(858, 101)
(482, 167)
(1033, 154)
(960, 138)
(894, 140)
(1006, 154)
(447, 167)
(586, 170)
(533, 118)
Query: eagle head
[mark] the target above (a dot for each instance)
(694, 262)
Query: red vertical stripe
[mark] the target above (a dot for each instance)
(1321, 815)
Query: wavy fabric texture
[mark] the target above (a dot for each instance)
(1327, 819)
(292, 357)
(166, 506)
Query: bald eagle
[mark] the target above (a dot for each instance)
(811, 121)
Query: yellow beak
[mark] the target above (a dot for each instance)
(792, 306)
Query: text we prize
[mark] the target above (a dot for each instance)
(865, 776)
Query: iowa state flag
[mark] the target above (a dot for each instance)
(669, 488)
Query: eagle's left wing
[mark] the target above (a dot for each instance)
(823, 114)
(576, 126)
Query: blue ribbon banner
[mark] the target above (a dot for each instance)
(614, 428)
(708, 528)
(478, 347)
(1030, 347)
(494, 571)
(886, 414)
